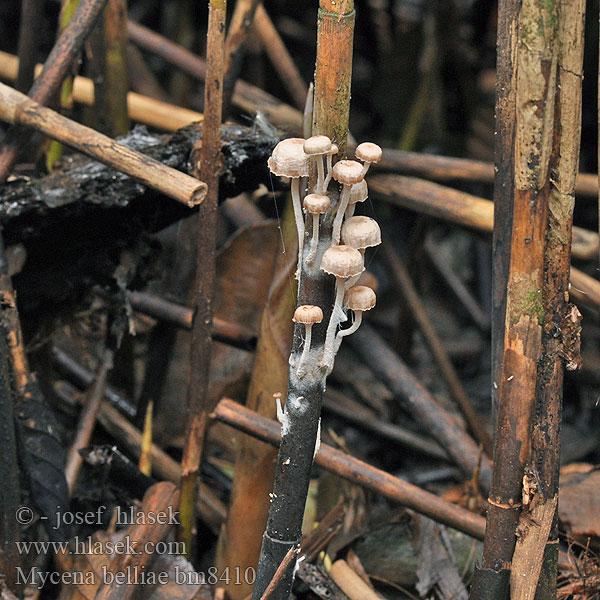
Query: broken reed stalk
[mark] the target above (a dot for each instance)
(450, 168)
(246, 97)
(459, 207)
(16, 108)
(46, 86)
(31, 11)
(198, 406)
(280, 57)
(358, 472)
(407, 289)
(535, 562)
(56, 149)
(106, 53)
(239, 28)
(526, 88)
(143, 109)
(305, 395)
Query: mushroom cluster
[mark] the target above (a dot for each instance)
(351, 235)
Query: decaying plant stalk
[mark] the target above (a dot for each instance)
(533, 195)
(316, 335)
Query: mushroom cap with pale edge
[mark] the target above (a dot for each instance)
(289, 159)
(368, 152)
(307, 314)
(359, 192)
(348, 172)
(317, 204)
(334, 149)
(360, 297)
(317, 144)
(342, 261)
(361, 232)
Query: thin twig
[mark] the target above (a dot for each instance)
(29, 38)
(87, 420)
(270, 592)
(210, 165)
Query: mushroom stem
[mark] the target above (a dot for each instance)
(320, 175)
(314, 241)
(299, 221)
(339, 215)
(350, 210)
(334, 321)
(329, 169)
(366, 166)
(344, 332)
(357, 321)
(304, 358)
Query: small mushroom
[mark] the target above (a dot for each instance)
(318, 146)
(315, 204)
(359, 192)
(358, 299)
(308, 315)
(334, 150)
(289, 160)
(342, 262)
(369, 153)
(360, 232)
(346, 172)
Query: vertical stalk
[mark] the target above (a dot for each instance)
(529, 46)
(56, 149)
(29, 25)
(198, 400)
(305, 395)
(561, 317)
(109, 66)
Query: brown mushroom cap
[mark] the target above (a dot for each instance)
(289, 159)
(368, 152)
(360, 297)
(342, 261)
(308, 314)
(317, 144)
(359, 192)
(361, 232)
(348, 172)
(317, 204)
